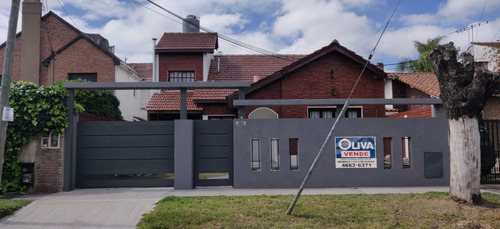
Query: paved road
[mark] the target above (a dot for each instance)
(124, 207)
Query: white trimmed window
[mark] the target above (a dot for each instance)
(321, 112)
(181, 76)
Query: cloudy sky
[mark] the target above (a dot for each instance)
(283, 26)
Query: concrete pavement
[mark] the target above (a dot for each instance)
(124, 207)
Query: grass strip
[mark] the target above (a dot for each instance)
(8, 206)
(429, 210)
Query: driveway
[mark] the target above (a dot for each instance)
(87, 208)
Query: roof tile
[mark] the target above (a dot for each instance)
(426, 82)
(187, 42)
(170, 101)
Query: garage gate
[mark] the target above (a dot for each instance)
(141, 154)
(125, 154)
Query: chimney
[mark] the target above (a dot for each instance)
(191, 24)
(30, 41)
(380, 65)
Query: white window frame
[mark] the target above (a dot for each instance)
(361, 110)
(46, 142)
(322, 107)
(170, 73)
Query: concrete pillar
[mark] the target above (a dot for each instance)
(183, 154)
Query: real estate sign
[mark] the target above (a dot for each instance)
(355, 152)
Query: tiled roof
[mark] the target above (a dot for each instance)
(144, 69)
(245, 67)
(212, 94)
(170, 101)
(171, 42)
(425, 82)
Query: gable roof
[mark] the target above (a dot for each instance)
(144, 69)
(332, 47)
(81, 35)
(426, 82)
(187, 42)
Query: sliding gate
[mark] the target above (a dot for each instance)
(125, 154)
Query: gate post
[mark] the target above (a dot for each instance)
(69, 145)
(183, 154)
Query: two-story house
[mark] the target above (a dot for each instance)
(328, 73)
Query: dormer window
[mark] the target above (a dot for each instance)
(181, 76)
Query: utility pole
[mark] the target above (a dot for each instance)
(6, 77)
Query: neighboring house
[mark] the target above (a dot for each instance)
(486, 55)
(49, 49)
(426, 85)
(328, 73)
(62, 52)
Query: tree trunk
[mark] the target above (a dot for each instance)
(463, 93)
(465, 160)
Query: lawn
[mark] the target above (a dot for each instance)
(8, 206)
(430, 210)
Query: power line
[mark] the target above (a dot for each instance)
(226, 38)
(68, 14)
(344, 108)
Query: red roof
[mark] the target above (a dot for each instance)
(488, 44)
(170, 101)
(425, 82)
(187, 42)
(212, 94)
(245, 67)
(144, 69)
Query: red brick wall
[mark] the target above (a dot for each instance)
(180, 62)
(16, 65)
(313, 81)
(81, 57)
(402, 90)
(49, 172)
(219, 108)
(60, 35)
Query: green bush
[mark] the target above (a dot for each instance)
(42, 110)
(37, 110)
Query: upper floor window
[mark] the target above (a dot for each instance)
(321, 112)
(91, 77)
(181, 76)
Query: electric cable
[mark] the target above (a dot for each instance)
(228, 39)
(342, 112)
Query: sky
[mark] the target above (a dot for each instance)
(283, 26)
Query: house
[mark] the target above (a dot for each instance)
(426, 85)
(49, 49)
(328, 73)
(486, 55)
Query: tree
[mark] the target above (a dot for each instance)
(406, 64)
(463, 93)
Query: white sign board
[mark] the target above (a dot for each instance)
(8, 114)
(355, 152)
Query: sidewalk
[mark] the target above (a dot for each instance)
(124, 207)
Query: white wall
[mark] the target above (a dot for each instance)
(131, 101)
(486, 54)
